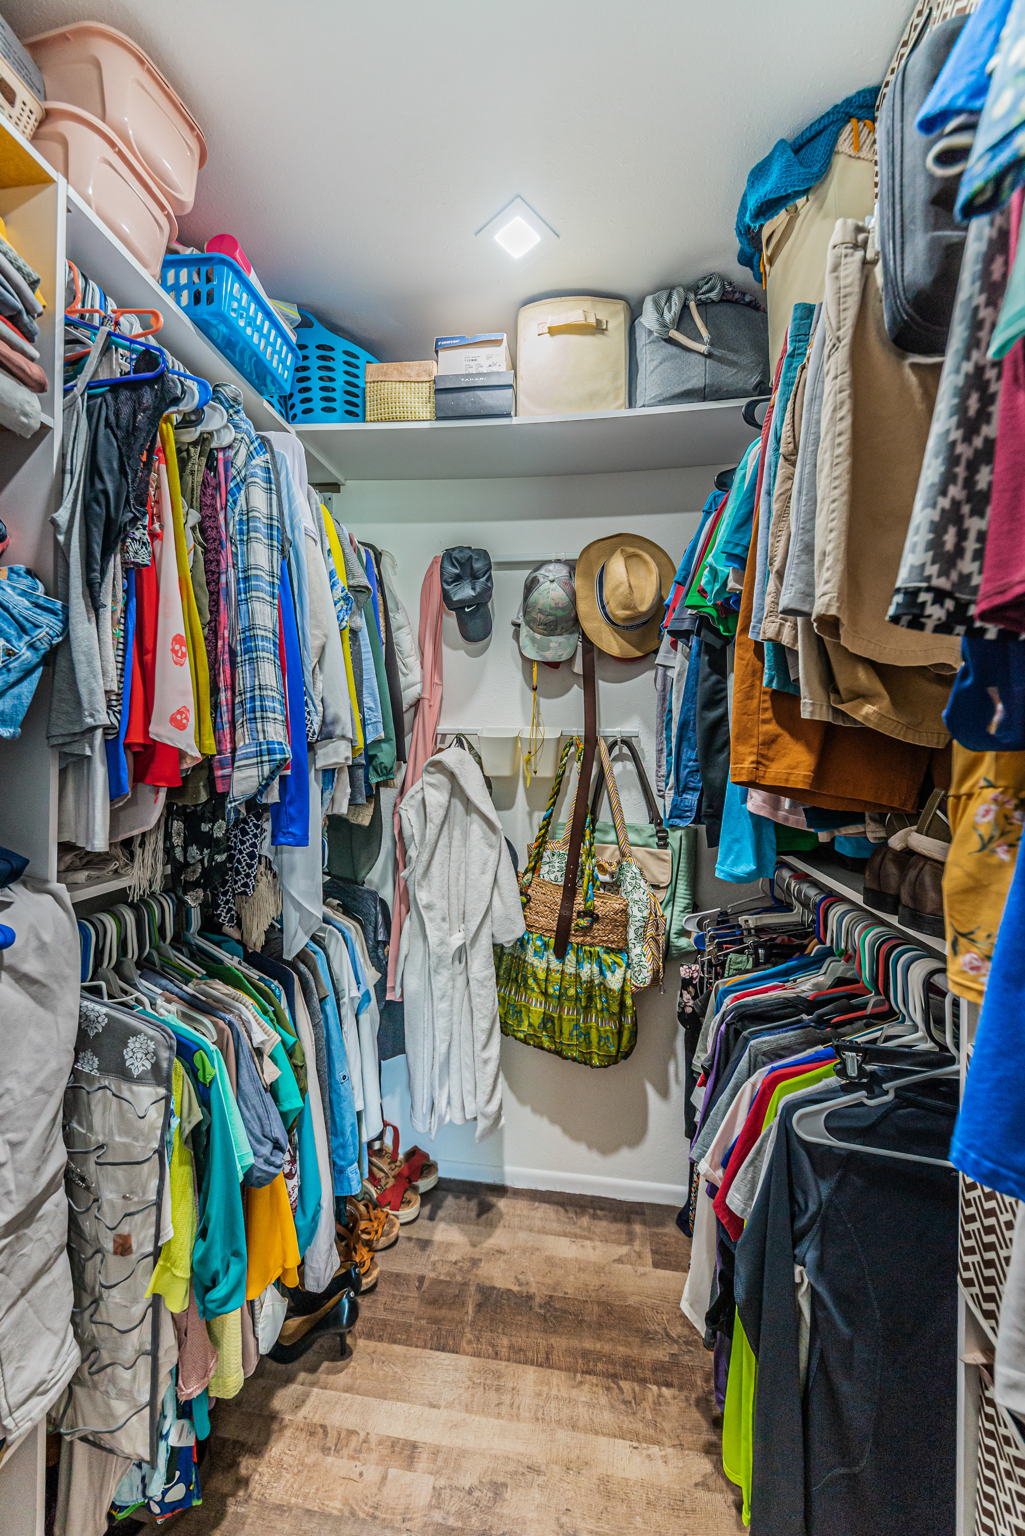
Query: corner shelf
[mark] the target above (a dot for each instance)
(834, 876)
(602, 443)
(95, 888)
(100, 255)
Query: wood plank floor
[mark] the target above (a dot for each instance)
(522, 1369)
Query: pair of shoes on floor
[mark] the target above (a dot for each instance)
(905, 875)
(366, 1230)
(312, 1315)
(397, 1181)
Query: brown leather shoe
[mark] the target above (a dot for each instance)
(921, 896)
(884, 874)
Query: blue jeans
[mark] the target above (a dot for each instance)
(30, 623)
(686, 769)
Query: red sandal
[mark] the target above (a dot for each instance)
(394, 1191)
(422, 1169)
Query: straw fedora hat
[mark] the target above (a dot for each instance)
(622, 584)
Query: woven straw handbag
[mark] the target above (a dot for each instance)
(601, 917)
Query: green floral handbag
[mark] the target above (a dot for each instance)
(580, 1007)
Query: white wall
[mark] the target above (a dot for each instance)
(618, 1131)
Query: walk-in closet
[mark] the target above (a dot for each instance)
(512, 769)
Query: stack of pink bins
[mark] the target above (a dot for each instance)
(119, 133)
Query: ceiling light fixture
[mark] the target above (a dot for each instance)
(517, 237)
(517, 228)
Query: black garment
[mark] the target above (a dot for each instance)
(391, 660)
(352, 848)
(196, 849)
(713, 730)
(124, 420)
(369, 908)
(869, 1445)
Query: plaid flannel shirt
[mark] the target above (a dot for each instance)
(257, 548)
(223, 667)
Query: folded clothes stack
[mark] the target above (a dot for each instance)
(22, 379)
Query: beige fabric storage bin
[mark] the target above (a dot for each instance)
(572, 355)
(400, 391)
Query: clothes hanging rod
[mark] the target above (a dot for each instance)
(631, 731)
(514, 562)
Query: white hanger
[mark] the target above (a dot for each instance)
(810, 1122)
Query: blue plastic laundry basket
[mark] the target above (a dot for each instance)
(329, 377)
(216, 293)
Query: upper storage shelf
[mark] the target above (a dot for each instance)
(607, 442)
(99, 253)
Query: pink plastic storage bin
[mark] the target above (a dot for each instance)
(110, 180)
(103, 72)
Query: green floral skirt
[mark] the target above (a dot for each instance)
(581, 1008)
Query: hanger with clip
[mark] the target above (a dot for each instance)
(810, 1122)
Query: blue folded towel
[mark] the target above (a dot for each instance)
(791, 168)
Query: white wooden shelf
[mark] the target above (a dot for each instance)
(606, 442)
(95, 888)
(834, 876)
(98, 253)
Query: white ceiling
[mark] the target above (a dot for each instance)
(354, 149)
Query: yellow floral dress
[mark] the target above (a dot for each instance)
(987, 812)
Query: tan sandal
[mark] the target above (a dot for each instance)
(379, 1229)
(353, 1250)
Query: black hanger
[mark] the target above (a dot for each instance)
(750, 411)
(724, 479)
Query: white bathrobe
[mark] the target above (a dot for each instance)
(463, 898)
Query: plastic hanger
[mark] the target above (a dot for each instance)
(810, 1121)
(115, 338)
(76, 307)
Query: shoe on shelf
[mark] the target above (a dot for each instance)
(884, 874)
(921, 896)
(931, 837)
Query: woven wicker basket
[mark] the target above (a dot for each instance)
(541, 913)
(400, 391)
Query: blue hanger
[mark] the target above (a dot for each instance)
(145, 344)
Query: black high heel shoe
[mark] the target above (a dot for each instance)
(312, 1314)
(338, 1319)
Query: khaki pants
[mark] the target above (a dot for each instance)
(876, 410)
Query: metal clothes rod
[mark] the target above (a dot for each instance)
(521, 730)
(515, 562)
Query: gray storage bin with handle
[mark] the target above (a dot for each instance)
(705, 342)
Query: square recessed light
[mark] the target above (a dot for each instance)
(517, 228)
(517, 236)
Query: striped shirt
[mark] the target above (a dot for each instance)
(257, 548)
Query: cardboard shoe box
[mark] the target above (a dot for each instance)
(461, 396)
(487, 352)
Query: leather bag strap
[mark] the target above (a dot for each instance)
(651, 804)
(615, 804)
(580, 816)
